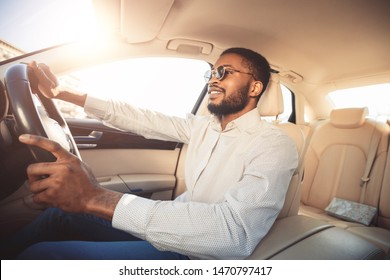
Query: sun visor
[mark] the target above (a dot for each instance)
(141, 21)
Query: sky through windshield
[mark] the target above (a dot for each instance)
(30, 25)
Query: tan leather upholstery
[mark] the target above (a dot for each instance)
(379, 235)
(292, 200)
(334, 164)
(271, 100)
(336, 158)
(302, 237)
(384, 205)
(349, 117)
(286, 232)
(331, 244)
(271, 105)
(295, 236)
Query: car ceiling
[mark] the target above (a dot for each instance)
(339, 39)
(317, 46)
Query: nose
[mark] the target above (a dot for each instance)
(213, 79)
(212, 82)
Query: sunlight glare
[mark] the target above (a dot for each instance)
(75, 22)
(167, 85)
(375, 97)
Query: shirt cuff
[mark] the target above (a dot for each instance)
(132, 214)
(95, 107)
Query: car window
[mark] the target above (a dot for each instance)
(288, 106)
(28, 26)
(167, 85)
(375, 97)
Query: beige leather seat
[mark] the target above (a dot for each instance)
(295, 236)
(334, 165)
(380, 233)
(271, 105)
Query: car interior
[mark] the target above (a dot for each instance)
(314, 48)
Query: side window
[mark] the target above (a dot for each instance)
(288, 104)
(168, 85)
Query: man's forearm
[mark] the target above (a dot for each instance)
(75, 97)
(103, 203)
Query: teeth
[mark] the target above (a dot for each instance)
(215, 92)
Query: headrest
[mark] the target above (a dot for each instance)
(3, 102)
(271, 101)
(349, 117)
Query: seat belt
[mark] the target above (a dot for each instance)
(369, 163)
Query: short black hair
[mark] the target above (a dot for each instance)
(257, 64)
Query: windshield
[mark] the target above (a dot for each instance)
(31, 25)
(153, 83)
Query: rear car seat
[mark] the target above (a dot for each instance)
(380, 233)
(295, 236)
(334, 165)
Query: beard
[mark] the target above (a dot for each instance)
(232, 104)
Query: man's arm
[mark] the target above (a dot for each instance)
(229, 229)
(48, 85)
(120, 114)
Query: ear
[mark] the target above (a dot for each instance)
(256, 89)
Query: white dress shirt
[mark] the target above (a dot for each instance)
(236, 182)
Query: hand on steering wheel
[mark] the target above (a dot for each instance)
(27, 87)
(68, 183)
(45, 82)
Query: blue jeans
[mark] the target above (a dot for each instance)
(59, 235)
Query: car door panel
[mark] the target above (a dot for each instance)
(154, 186)
(90, 133)
(127, 162)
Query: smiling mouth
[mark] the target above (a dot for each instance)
(214, 94)
(214, 91)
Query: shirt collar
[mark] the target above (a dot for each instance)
(243, 123)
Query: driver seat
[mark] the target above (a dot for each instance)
(271, 105)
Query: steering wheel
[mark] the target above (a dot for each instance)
(34, 114)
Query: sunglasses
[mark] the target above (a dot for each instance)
(220, 73)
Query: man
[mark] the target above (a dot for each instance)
(238, 168)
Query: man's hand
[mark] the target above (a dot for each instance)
(47, 83)
(67, 183)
